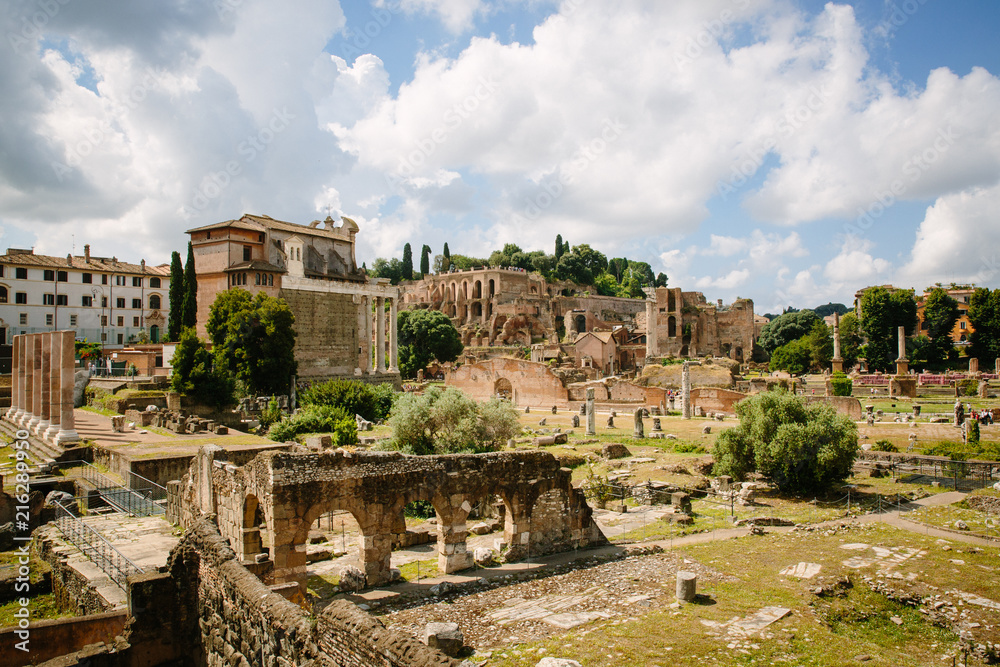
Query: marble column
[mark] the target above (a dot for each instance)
(837, 363)
(393, 351)
(46, 407)
(366, 335)
(591, 416)
(67, 425)
(686, 390)
(902, 363)
(380, 334)
(28, 388)
(16, 379)
(652, 346)
(54, 379)
(36, 382)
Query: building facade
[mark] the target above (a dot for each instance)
(344, 321)
(100, 298)
(685, 324)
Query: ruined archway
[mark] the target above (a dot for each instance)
(503, 389)
(580, 323)
(254, 529)
(671, 327)
(477, 309)
(671, 302)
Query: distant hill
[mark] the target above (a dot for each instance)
(828, 309)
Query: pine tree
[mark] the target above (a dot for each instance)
(176, 297)
(189, 309)
(407, 262)
(425, 260)
(559, 246)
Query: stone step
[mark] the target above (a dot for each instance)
(39, 451)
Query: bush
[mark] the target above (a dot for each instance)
(373, 402)
(884, 446)
(969, 387)
(841, 385)
(317, 419)
(269, 416)
(448, 422)
(799, 448)
(972, 432)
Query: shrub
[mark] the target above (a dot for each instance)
(972, 432)
(969, 387)
(884, 446)
(373, 402)
(317, 419)
(841, 385)
(269, 416)
(797, 447)
(448, 422)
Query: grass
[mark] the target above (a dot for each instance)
(43, 607)
(100, 411)
(323, 586)
(945, 516)
(428, 568)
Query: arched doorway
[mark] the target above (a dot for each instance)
(253, 529)
(503, 389)
(580, 323)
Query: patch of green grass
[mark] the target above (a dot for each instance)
(868, 615)
(945, 516)
(323, 586)
(428, 568)
(100, 411)
(43, 607)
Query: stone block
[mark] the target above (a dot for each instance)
(687, 583)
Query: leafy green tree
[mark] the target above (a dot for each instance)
(606, 285)
(940, 315)
(571, 267)
(828, 309)
(631, 286)
(984, 316)
(841, 385)
(785, 328)
(794, 357)
(425, 260)
(189, 307)
(801, 449)
(593, 260)
(407, 268)
(194, 373)
(254, 339)
(819, 340)
(882, 312)
(176, 297)
(661, 280)
(559, 246)
(850, 339)
(448, 422)
(425, 335)
(617, 267)
(542, 263)
(464, 262)
(373, 402)
(387, 268)
(643, 272)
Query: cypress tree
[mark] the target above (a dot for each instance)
(407, 262)
(559, 246)
(425, 260)
(446, 264)
(189, 311)
(176, 297)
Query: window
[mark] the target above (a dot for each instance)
(104, 302)
(104, 279)
(48, 299)
(3, 295)
(121, 339)
(88, 278)
(121, 321)
(270, 279)
(120, 302)
(62, 276)
(154, 302)
(120, 280)
(49, 274)
(104, 337)
(260, 237)
(136, 281)
(257, 278)
(23, 319)
(72, 320)
(154, 282)
(961, 325)
(247, 250)
(135, 321)
(21, 273)
(104, 320)
(1, 270)
(87, 301)
(48, 319)
(62, 299)
(137, 304)
(20, 297)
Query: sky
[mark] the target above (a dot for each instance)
(788, 151)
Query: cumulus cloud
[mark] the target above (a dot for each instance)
(730, 281)
(855, 263)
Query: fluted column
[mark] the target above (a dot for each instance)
(393, 356)
(54, 380)
(28, 384)
(370, 359)
(380, 334)
(67, 425)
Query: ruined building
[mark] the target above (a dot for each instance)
(339, 312)
(686, 325)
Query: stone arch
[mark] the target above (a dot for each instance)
(493, 287)
(671, 327)
(477, 309)
(465, 289)
(580, 323)
(477, 289)
(374, 542)
(502, 388)
(451, 511)
(671, 301)
(252, 541)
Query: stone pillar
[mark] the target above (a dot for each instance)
(367, 335)
(393, 351)
(973, 365)
(651, 342)
(46, 403)
(639, 430)
(67, 425)
(36, 382)
(591, 417)
(16, 379)
(902, 363)
(687, 583)
(996, 366)
(837, 363)
(452, 533)
(686, 390)
(54, 380)
(28, 384)
(380, 334)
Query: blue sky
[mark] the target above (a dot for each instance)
(787, 151)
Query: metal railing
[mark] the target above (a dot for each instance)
(94, 546)
(138, 497)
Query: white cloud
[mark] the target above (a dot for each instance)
(725, 246)
(731, 280)
(855, 264)
(456, 15)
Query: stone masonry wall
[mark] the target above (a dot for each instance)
(326, 343)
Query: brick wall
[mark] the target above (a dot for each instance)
(326, 343)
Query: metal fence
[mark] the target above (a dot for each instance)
(93, 545)
(137, 497)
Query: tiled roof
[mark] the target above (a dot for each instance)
(262, 223)
(78, 262)
(256, 265)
